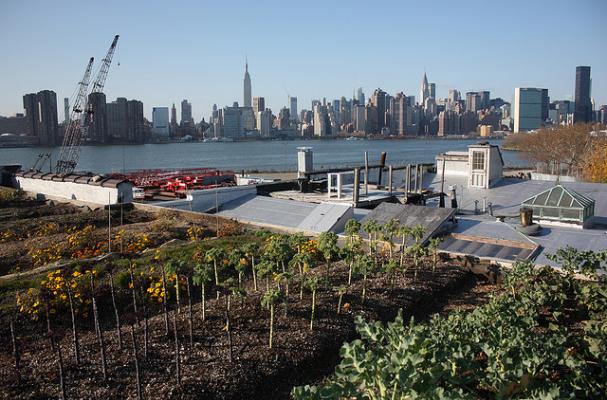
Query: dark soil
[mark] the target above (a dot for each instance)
(299, 356)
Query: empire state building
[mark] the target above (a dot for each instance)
(247, 86)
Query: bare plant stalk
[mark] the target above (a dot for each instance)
(16, 355)
(204, 305)
(99, 331)
(341, 296)
(74, 330)
(190, 318)
(49, 330)
(271, 322)
(136, 360)
(177, 356)
(164, 302)
(61, 374)
(254, 274)
(177, 293)
(133, 292)
(313, 309)
(229, 332)
(118, 331)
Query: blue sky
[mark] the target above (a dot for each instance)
(195, 50)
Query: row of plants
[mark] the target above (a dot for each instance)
(543, 337)
(277, 269)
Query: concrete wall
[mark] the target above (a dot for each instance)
(204, 200)
(77, 191)
(549, 177)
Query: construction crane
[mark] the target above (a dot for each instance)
(70, 151)
(72, 136)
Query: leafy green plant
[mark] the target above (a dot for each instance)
(214, 255)
(364, 265)
(327, 244)
(433, 244)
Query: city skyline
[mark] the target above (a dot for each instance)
(215, 76)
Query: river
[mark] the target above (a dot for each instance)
(257, 155)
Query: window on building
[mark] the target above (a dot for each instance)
(478, 160)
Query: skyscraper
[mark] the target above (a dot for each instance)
(583, 105)
(66, 110)
(379, 101)
(527, 109)
(259, 104)
(473, 101)
(424, 92)
(173, 115)
(186, 112)
(360, 96)
(97, 130)
(432, 90)
(247, 86)
(41, 116)
(160, 121)
(135, 121)
(399, 114)
(117, 119)
(293, 107)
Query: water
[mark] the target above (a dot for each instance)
(260, 155)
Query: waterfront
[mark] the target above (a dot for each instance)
(258, 155)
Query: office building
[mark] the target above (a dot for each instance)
(247, 86)
(485, 99)
(545, 105)
(371, 117)
(358, 118)
(186, 113)
(264, 123)
(454, 95)
(284, 119)
(232, 127)
(160, 122)
(322, 125)
(583, 105)
(247, 118)
(293, 107)
(259, 104)
(527, 109)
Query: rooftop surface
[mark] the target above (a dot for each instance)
(508, 194)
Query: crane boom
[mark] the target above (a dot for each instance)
(105, 67)
(71, 138)
(69, 154)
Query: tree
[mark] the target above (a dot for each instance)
(176, 268)
(352, 229)
(390, 230)
(371, 227)
(215, 254)
(327, 244)
(251, 249)
(595, 165)
(268, 300)
(404, 232)
(433, 250)
(202, 276)
(418, 252)
(417, 233)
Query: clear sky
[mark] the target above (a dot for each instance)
(195, 50)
